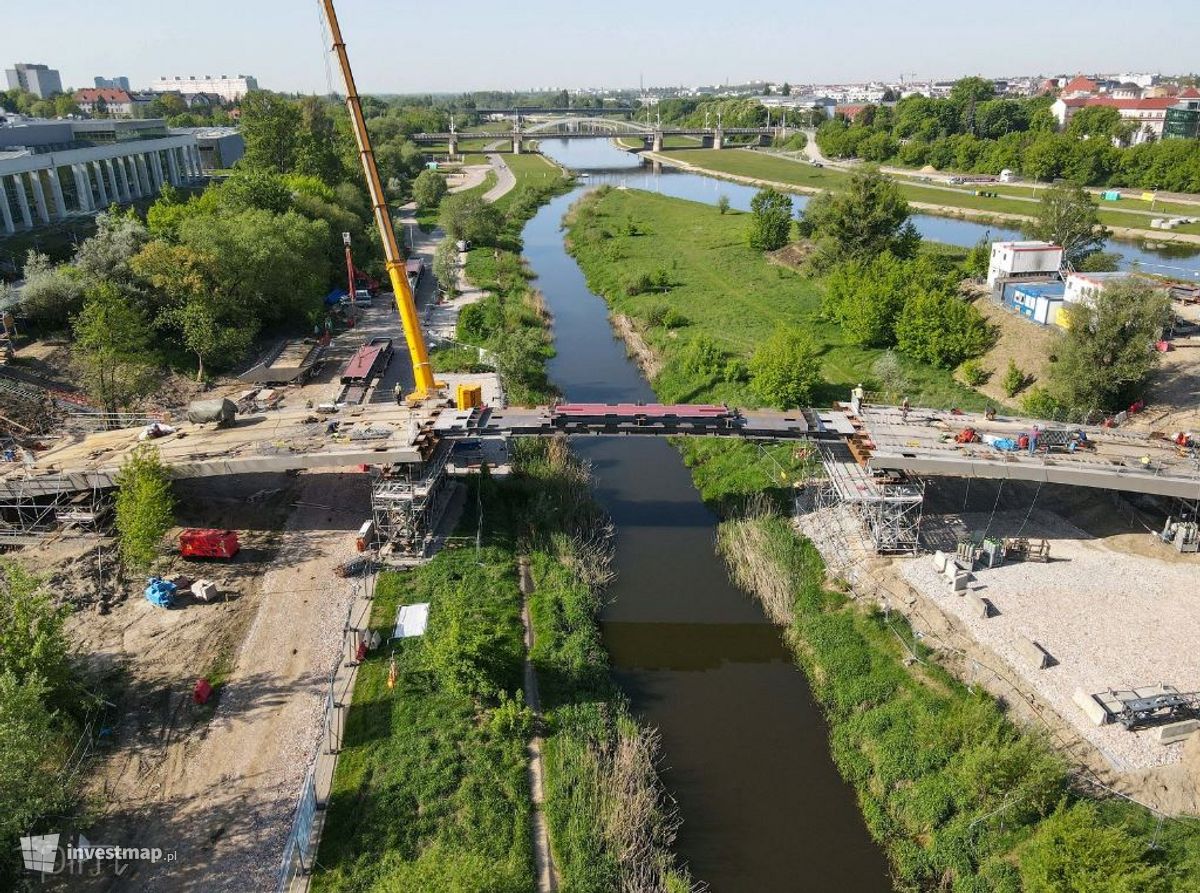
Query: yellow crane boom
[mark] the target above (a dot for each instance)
(422, 371)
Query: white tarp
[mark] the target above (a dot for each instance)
(411, 621)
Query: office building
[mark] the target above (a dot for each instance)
(40, 80)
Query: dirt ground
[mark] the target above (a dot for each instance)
(217, 784)
(1025, 343)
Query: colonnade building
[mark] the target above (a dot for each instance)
(53, 170)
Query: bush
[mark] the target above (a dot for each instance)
(145, 506)
(1040, 403)
(1014, 379)
(702, 356)
(723, 204)
(973, 373)
(771, 226)
(785, 368)
(941, 330)
(638, 284)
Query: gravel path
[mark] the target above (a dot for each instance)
(1110, 619)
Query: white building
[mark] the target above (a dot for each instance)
(1082, 288)
(1023, 258)
(1148, 115)
(53, 170)
(230, 89)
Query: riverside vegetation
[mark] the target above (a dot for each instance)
(960, 797)
(510, 322)
(431, 790)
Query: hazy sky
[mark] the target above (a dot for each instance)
(469, 44)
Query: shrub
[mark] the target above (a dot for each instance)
(702, 356)
(723, 204)
(1014, 379)
(145, 506)
(785, 368)
(973, 373)
(639, 284)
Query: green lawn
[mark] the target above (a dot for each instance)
(724, 290)
(762, 166)
(430, 791)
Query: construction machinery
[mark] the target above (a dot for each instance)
(425, 386)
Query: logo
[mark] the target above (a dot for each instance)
(40, 852)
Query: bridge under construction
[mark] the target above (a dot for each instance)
(874, 457)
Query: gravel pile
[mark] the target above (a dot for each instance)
(1109, 619)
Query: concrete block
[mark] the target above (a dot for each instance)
(980, 605)
(960, 581)
(1034, 653)
(1177, 731)
(939, 561)
(1091, 707)
(205, 590)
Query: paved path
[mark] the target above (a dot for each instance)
(505, 178)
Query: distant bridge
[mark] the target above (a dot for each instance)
(652, 136)
(537, 110)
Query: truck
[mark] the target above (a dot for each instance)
(414, 268)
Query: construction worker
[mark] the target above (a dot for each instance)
(398, 393)
(990, 413)
(904, 407)
(1033, 439)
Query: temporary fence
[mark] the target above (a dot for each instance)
(299, 848)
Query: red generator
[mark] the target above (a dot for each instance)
(197, 543)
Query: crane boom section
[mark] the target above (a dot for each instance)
(422, 371)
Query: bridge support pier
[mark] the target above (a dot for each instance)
(516, 144)
(656, 141)
(718, 139)
(453, 145)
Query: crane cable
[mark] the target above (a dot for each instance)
(326, 49)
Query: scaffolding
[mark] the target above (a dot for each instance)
(407, 502)
(888, 504)
(27, 517)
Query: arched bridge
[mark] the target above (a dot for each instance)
(602, 128)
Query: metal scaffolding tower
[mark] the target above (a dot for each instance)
(888, 503)
(408, 501)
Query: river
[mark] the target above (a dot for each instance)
(622, 167)
(746, 750)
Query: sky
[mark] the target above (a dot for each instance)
(410, 47)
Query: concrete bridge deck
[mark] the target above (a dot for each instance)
(921, 443)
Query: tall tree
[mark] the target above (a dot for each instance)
(771, 220)
(868, 217)
(445, 266)
(115, 349)
(1068, 216)
(1107, 353)
(145, 506)
(270, 127)
(469, 217)
(428, 189)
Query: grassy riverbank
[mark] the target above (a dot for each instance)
(762, 166)
(431, 791)
(717, 290)
(510, 322)
(959, 797)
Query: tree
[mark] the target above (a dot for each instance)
(115, 351)
(866, 297)
(940, 329)
(723, 204)
(1103, 121)
(1068, 216)
(320, 145)
(445, 266)
(1074, 851)
(428, 189)
(1107, 353)
(771, 220)
(105, 256)
(1100, 262)
(209, 333)
(867, 218)
(470, 218)
(979, 258)
(269, 126)
(785, 368)
(52, 293)
(145, 506)
(254, 188)
(65, 105)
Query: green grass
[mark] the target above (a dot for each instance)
(430, 791)
(725, 291)
(762, 166)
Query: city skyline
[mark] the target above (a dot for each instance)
(535, 46)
